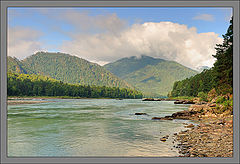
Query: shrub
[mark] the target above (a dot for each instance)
(220, 99)
(203, 96)
(212, 94)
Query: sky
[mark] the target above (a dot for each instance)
(102, 35)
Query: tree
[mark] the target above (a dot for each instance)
(219, 77)
(224, 63)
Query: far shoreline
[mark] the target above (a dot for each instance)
(19, 100)
(53, 97)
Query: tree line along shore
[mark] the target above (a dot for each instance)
(38, 85)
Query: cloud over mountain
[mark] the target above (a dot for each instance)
(23, 42)
(166, 40)
(106, 38)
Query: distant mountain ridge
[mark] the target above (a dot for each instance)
(14, 65)
(66, 68)
(201, 68)
(124, 66)
(152, 76)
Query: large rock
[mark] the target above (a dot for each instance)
(200, 108)
(162, 118)
(141, 114)
(184, 102)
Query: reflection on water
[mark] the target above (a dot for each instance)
(92, 127)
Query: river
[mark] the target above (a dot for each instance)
(92, 128)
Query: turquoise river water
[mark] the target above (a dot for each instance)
(92, 128)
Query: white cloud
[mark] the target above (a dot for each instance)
(23, 42)
(106, 38)
(205, 17)
(82, 21)
(164, 40)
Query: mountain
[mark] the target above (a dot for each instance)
(125, 66)
(14, 65)
(70, 69)
(201, 68)
(153, 77)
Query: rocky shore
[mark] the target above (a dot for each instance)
(212, 137)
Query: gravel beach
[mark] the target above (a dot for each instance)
(212, 137)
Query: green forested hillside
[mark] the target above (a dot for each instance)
(38, 85)
(14, 65)
(219, 78)
(70, 69)
(153, 77)
(125, 66)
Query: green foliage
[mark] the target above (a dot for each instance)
(220, 99)
(219, 77)
(14, 65)
(224, 62)
(203, 96)
(69, 69)
(228, 105)
(38, 85)
(153, 77)
(202, 82)
(125, 66)
(224, 105)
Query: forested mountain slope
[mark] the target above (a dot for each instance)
(70, 69)
(14, 65)
(124, 66)
(219, 77)
(153, 77)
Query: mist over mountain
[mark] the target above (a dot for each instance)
(201, 68)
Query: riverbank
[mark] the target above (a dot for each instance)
(212, 137)
(16, 100)
(42, 97)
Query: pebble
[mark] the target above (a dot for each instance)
(163, 139)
